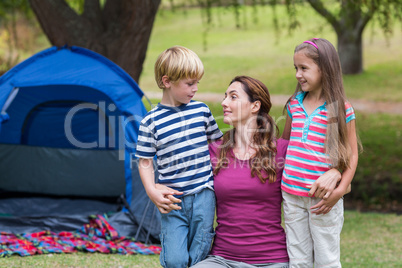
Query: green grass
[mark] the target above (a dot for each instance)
(82, 260)
(368, 240)
(371, 240)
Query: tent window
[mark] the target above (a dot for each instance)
(45, 126)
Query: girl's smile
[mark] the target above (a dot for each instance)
(307, 73)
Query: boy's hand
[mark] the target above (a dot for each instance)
(325, 184)
(163, 198)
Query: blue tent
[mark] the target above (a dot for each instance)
(68, 128)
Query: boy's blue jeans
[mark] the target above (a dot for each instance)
(186, 234)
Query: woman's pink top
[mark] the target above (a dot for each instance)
(248, 212)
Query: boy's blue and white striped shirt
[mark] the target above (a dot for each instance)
(179, 136)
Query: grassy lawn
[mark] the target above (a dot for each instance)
(368, 240)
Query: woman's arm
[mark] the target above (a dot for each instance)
(349, 173)
(288, 128)
(325, 205)
(325, 184)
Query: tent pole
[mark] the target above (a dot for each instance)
(149, 101)
(151, 224)
(142, 220)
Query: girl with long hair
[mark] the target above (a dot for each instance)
(321, 128)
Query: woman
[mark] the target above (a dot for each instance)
(247, 166)
(247, 170)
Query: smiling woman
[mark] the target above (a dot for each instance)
(247, 178)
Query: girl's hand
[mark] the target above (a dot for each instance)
(325, 205)
(325, 184)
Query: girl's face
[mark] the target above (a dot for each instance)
(307, 73)
(237, 109)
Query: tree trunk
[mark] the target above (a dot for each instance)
(119, 31)
(350, 51)
(348, 24)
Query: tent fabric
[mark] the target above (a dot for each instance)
(68, 126)
(69, 178)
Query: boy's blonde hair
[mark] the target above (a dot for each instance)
(178, 63)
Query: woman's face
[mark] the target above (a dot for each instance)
(237, 109)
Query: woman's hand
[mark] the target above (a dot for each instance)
(325, 184)
(325, 205)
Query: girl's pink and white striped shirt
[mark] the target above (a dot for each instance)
(306, 160)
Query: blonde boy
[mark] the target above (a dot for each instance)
(177, 132)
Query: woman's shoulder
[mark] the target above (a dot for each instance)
(214, 147)
(281, 147)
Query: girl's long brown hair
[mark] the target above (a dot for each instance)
(264, 136)
(336, 142)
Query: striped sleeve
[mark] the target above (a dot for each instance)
(350, 113)
(146, 145)
(212, 129)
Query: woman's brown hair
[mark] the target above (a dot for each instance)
(264, 138)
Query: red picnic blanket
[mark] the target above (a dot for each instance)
(96, 236)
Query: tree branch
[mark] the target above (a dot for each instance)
(60, 13)
(320, 8)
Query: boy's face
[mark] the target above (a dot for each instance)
(181, 91)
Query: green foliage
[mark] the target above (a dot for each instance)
(386, 12)
(9, 12)
(255, 52)
(77, 5)
(348, 19)
(378, 179)
(11, 6)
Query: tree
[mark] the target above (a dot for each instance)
(347, 17)
(117, 29)
(120, 29)
(9, 9)
(350, 21)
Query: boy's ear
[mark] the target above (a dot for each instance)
(256, 107)
(166, 81)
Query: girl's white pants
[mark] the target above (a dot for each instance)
(312, 239)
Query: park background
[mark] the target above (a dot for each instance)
(372, 230)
